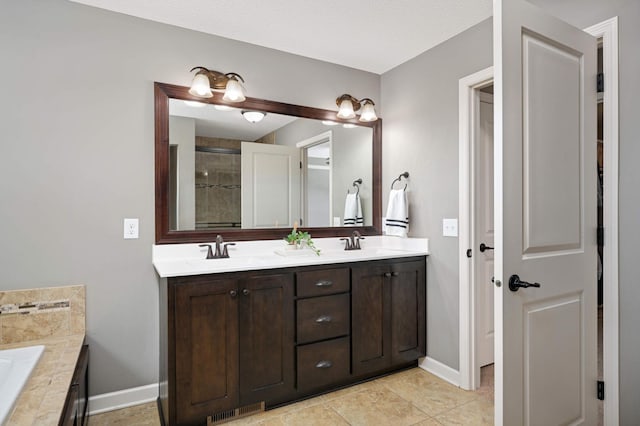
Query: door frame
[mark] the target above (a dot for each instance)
(467, 88)
(468, 92)
(304, 145)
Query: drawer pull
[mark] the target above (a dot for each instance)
(324, 283)
(323, 319)
(324, 364)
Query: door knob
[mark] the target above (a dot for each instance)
(515, 283)
(484, 247)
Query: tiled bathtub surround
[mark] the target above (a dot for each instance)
(34, 314)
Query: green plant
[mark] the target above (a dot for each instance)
(298, 238)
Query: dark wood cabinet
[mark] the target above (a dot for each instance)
(206, 347)
(233, 343)
(388, 315)
(76, 408)
(237, 342)
(266, 338)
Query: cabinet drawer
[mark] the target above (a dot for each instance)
(321, 318)
(322, 282)
(321, 364)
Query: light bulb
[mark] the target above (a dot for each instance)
(201, 86)
(234, 91)
(368, 112)
(346, 109)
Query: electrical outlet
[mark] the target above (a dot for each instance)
(336, 221)
(449, 227)
(131, 229)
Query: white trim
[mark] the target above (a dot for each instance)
(441, 370)
(467, 110)
(122, 399)
(304, 145)
(608, 30)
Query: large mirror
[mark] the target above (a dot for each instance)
(218, 171)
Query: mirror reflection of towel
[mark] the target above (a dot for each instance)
(353, 211)
(397, 220)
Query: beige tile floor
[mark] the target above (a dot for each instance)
(412, 397)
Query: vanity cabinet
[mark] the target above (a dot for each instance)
(323, 328)
(388, 315)
(234, 343)
(76, 408)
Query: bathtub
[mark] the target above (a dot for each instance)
(16, 366)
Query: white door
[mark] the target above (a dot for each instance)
(484, 232)
(545, 212)
(270, 185)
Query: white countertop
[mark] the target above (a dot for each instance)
(175, 260)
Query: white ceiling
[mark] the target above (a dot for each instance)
(370, 35)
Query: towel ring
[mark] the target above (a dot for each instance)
(356, 183)
(399, 179)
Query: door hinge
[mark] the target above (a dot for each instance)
(601, 390)
(600, 82)
(600, 236)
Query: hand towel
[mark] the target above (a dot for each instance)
(353, 211)
(397, 219)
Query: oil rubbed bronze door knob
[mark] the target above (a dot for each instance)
(515, 283)
(484, 247)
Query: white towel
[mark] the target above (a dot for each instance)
(397, 220)
(353, 211)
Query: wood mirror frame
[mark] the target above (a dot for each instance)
(163, 92)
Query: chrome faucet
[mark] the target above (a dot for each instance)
(352, 242)
(221, 251)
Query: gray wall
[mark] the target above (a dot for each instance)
(76, 122)
(420, 135)
(424, 142)
(584, 13)
(352, 151)
(182, 132)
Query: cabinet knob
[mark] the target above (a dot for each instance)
(233, 293)
(323, 319)
(246, 291)
(324, 283)
(324, 364)
(394, 274)
(387, 274)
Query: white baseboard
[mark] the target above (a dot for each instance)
(441, 370)
(122, 399)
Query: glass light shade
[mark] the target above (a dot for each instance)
(329, 123)
(253, 116)
(368, 112)
(234, 91)
(346, 110)
(200, 86)
(348, 125)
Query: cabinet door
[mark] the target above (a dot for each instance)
(206, 323)
(408, 315)
(370, 318)
(266, 338)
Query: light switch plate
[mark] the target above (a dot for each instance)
(336, 221)
(131, 229)
(449, 227)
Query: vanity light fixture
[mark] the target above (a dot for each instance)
(348, 105)
(206, 80)
(329, 123)
(253, 116)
